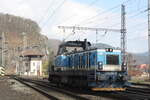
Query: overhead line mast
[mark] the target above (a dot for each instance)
(149, 37)
(123, 34)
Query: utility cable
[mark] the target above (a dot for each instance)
(68, 18)
(47, 10)
(58, 7)
(106, 11)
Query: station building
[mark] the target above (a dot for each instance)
(31, 62)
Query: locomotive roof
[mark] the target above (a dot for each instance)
(85, 47)
(92, 49)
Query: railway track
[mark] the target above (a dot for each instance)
(132, 93)
(139, 90)
(137, 93)
(141, 84)
(77, 94)
(50, 92)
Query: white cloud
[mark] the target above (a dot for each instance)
(24, 10)
(71, 13)
(16, 7)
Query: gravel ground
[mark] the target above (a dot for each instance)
(13, 90)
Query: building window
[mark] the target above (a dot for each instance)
(33, 63)
(38, 65)
(26, 64)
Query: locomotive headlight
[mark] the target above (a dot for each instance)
(100, 65)
(124, 66)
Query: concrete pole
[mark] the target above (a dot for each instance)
(3, 49)
(24, 48)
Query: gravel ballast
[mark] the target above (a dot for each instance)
(11, 89)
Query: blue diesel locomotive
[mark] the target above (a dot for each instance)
(95, 68)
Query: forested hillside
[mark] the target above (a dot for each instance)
(13, 28)
(17, 33)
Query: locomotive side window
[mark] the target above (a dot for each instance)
(83, 60)
(95, 59)
(69, 62)
(87, 61)
(72, 61)
(80, 61)
(112, 59)
(89, 58)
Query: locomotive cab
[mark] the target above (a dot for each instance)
(110, 73)
(109, 60)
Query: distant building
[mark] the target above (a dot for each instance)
(31, 63)
(139, 72)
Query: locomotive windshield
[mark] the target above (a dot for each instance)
(112, 59)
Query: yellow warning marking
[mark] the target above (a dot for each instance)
(108, 89)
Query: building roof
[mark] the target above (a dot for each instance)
(143, 66)
(32, 52)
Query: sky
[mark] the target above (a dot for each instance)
(50, 14)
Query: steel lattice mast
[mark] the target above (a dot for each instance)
(123, 34)
(149, 36)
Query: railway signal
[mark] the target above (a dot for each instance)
(2, 71)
